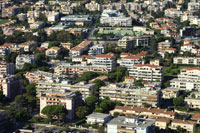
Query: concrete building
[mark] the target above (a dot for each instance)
(22, 17)
(129, 61)
(130, 125)
(10, 11)
(131, 95)
(162, 123)
(193, 100)
(114, 18)
(53, 52)
(96, 50)
(10, 85)
(98, 118)
(93, 6)
(22, 59)
(169, 93)
(187, 60)
(78, 69)
(189, 126)
(70, 100)
(44, 86)
(148, 112)
(106, 60)
(6, 68)
(53, 16)
(27, 46)
(36, 76)
(164, 45)
(147, 72)
(188, 79)
(172, 12)
(80, 48)
(76, 18)
(37, 25)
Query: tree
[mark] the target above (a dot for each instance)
(90, 101)
(180, 130)
(178, 101)
(53, 44)
(116, 114)
(98, 84)
(54, 110)
(81, 112)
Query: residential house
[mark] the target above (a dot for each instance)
(53, 52)
(22, 59)
(98, 118)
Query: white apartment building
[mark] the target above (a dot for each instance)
(114, 18)
(53, 16)
(172, 12)
(106, 60)
(129, 125)
(187, 60)
(70, 100)
(93, 6)
(22, 59)
(188, 79)
(96, 50)
(193, 101)
(6, 68)
(131, 95)
(79, 49)
(129, 61)
(10, 85)
(164, 45)
(193, 6)
(147, 72)
(44, 86)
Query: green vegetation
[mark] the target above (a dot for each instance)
(3, 21)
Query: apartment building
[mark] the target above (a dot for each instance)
(134, 41)
(79, 49)
(44, 86)
(4, 51)
(129, 61)
(106, 60)
(53, 52)
(188, 79)
(70, 100)
(169, 93)
(53, 16)
(147, 72)
(162, 123)
(164, 45)
(27, 46)
(76, 18)
(10, 11)
(130, 125)
(10, 85)
(6, 68)
(36, 76)
(93, 6)
(131, 95)
(173, 12)
(96, 50)
(189, 126)
(37, 25)
(22, 59)
(193, 100)
(187, 60)
(78, 69)
(114, 17)
(148, 112)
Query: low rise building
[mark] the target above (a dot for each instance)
(53, 16)
(189, 126)
(93, 6)
(27, 46)
(186, 60)
(131, 95)
(22, 59)
(76, 18)
(106, 60)
(169, 93)
(164, 45)
(10, 11)
(162, 123)
(70, 100)
(53, 52)
(37, 25)
(80, 48)
(193, 101)
(147, 72)
(10, 85)
(130, 125)
(148, 112)
(98, 118)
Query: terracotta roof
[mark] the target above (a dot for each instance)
(129, 77)
(82, 45)
(191, 68)
(188, 44)
(183, 121)
(108, 55)
(125, 54)
(163, 120)
(54, 48)
(196, 117)
(132, 57)
(138, 109)
(148, 65)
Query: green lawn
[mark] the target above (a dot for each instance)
(3, 21)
